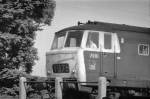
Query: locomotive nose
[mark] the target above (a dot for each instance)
(62, 64)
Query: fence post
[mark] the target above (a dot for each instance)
(58, 89)
(102, 87)
(22, 91)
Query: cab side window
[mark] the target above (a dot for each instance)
(93, 40)
(107, 41)
(143, 49)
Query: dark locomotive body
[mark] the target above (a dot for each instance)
(122, 55)
(133, 65)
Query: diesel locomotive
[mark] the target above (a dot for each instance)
(89, 50)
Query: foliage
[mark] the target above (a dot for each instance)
(9, 81)
(40, 87)
(19, 20)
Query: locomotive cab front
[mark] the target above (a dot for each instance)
(78, 54)
(63, 59)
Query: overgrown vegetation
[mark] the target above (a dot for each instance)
(19, 20)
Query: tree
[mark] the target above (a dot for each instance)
(19, 20)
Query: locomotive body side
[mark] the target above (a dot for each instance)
(125, 64)
(133, 63)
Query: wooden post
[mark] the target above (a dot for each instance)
(102, 87)
(22, 91)
(58, 89)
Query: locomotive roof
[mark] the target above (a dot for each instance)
(109, 27)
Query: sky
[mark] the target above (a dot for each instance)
(69, 12)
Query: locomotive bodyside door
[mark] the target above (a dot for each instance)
(111, 47)
(92, 56)
(108, 67)
(101, 61)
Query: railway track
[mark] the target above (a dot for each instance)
(74, 90)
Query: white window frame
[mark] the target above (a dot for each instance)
(112, 43)
(67, 32)
(86, 38)
(57, 45)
